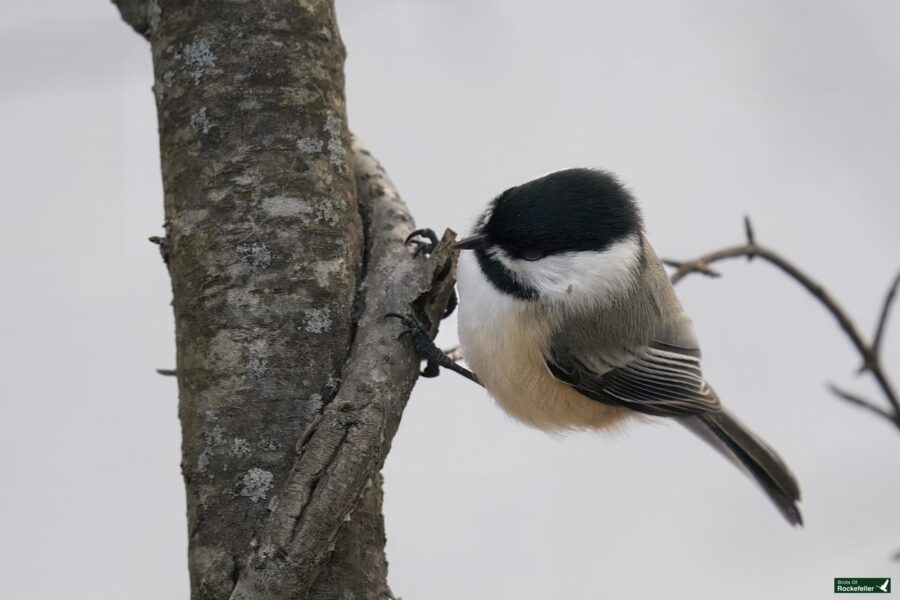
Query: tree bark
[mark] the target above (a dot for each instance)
(272, 275)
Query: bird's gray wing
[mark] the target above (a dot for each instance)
(661, 377)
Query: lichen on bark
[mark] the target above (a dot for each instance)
(261, 333)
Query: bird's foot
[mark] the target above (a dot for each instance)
(425, 347)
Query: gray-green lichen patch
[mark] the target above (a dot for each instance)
(203, 460)
(328, 212)
(212, 437)
(215, 436)
(323, 210)
(326, 271)
(218, 195)
(337, 154)
(318, 320)
(268, 445)
(259, 358)
(239, 447)
(310, 5)
(200, 121)
(256, 255)
(189, 220)
(308, 146)
(255, 484)
(247, 179)
(198, 56)
(257, 366)
(227, 350)
(301, 96)
(163, 85)
(287, 206)
(153, 15)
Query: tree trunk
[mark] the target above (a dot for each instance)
(270, 271)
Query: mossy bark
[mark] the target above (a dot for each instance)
(264, 244)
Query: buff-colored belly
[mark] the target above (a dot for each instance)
(502, 345)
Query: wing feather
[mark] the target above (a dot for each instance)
(661, 378)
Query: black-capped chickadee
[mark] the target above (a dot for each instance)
(568, 318)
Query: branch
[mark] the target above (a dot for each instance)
(139, 14)
(870, 353)
(345, 448)
(860, 401)
(882, 321)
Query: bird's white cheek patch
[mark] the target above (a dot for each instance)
(582, 276)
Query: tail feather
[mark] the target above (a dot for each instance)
(758, 459)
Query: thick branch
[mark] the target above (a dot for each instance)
(869, 353)
(341, 452)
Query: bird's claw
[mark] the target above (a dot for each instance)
(431, 370)
(433, 356)
(410, 322)
(423, 247)
(423, 343)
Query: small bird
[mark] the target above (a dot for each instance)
(569, 320)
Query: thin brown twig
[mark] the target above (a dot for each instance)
(883, 318)
(859, 401)
(697, 266)
(869, 352)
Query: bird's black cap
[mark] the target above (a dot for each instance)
(566, 211)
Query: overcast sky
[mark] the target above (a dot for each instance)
(708, 110)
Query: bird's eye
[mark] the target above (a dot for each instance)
(532, 255)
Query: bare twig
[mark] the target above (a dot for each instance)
(163, 244)
(347, 446)
(859, 401)
(870, 353)
(697, 266)
(883, 319)
(748, 231)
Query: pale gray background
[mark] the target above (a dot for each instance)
(708, 110)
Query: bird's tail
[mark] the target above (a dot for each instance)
(727, 435)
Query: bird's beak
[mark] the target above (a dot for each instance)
(471, 242)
